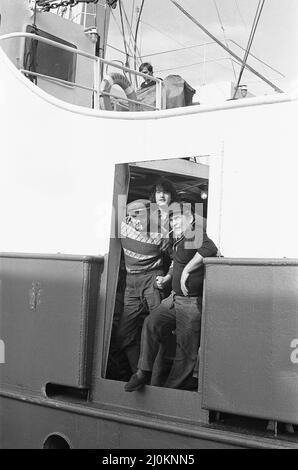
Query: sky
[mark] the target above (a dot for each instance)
(164, 28)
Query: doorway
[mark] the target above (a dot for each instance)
(190, 177)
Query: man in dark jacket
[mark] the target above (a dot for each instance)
(181, 311)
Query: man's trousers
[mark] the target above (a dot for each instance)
(140, 298)
(182, 314)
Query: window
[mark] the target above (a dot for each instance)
(47, 59)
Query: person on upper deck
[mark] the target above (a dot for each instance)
(182, 309)
(145, 241)
(147, 68)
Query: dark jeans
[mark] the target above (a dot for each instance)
(141, 295)
(184, 315)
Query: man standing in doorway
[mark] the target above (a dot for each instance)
(144, 244)
(181, 311)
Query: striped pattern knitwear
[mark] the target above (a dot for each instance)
(142, 250)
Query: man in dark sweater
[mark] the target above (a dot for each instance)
(182, 309)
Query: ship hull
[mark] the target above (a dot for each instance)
(28, 422)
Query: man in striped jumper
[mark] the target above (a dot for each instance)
(145, 242)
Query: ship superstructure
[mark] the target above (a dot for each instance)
(67, 163)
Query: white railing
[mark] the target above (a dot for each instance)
(97, 72)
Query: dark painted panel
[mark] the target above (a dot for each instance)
(48, 309)
(176, 404)
(250, 322)
(26, 426)
(252, 261)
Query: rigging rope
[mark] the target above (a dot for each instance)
(136, 36)
(224, 34)
(258, 59)
(128, 51)
(177, 42)
(246, 28)
(163, 33)
(180, 49)
(207, 44)
(116, 22)
(250, 41)
(123, 34)
(251, 69)
(117, 49)
(131, 19)
(195, 63)
(131, 33)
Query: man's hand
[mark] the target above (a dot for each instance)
(183, 281)
(161, 281)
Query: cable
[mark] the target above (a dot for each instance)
(102, 48)
(163, 33)
(131, 32)
(177, 42)
(250, 41)
(136, 36)
(251, 69)
(259, 60)
(180, 49)
(243, 21)
(224, 34)
(132, 21)
(131, 52)
(123, 34)
(207, 44)
(171, 38)
(195, 63)
(240, 14)
(132, 11)
(34, 15)
(118, 50)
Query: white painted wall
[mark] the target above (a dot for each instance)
(57, 164)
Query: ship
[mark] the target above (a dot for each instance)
(79, 140)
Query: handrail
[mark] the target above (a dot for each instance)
(55, 79)
(97, 60)
(124, 98)
(231, 105)
(47, 41)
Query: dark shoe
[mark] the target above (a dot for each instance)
(191, 384)
(137, 381)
